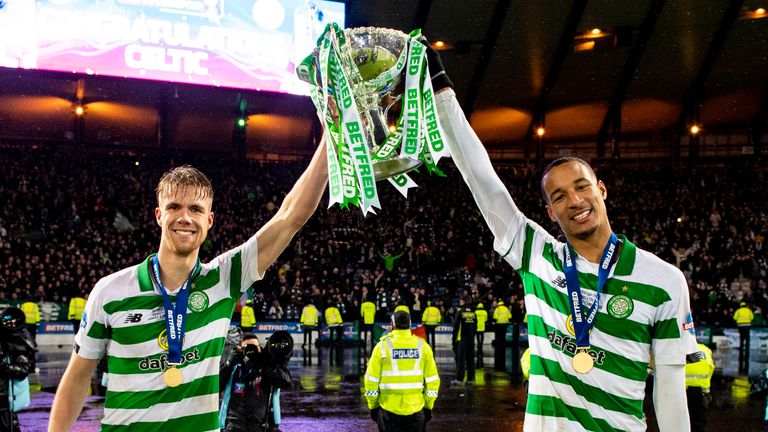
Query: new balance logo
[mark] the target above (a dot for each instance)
(559, 281)
(132, 318)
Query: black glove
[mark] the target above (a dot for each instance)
(436, 69)
(375, 414)
(427, 414)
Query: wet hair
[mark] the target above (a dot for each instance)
(561, 161)
(182, 177)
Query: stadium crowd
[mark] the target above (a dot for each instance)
(67, 220)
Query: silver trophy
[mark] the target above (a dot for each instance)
(373, 60)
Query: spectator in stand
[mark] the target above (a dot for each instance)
(57, 242)
(275, 311)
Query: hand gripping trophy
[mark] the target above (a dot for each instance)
(355, 75)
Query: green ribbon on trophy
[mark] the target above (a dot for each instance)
(353, 74)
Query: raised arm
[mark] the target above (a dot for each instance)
(469, 155)
(298, 206)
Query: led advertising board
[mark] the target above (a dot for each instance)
(251, 44)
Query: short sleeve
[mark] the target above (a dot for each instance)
(241, 266)
(674, 335)
(93, 335)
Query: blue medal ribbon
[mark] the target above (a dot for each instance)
(583, 322)
(175, 315)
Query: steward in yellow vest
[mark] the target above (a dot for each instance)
(76, 308)
(431, 316)
(247, 316)
(309, 318)
(32, 313)
(368, 312)
(482, 318)
(743, 317)
(501, 317)
(401, 381)
(432, 319)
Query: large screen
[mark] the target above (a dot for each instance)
(252, 44)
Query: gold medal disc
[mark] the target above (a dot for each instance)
(583, 362)
(173, 377)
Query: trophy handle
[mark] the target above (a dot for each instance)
(380, 130)
(391, 104)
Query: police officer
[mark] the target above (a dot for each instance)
(335, 326)
(401, 380)
(697, 379)
(501, 317)
(247, 316)
(482, 318)
(432, 319)
(464, 328)
(368, 312)
(743, 317)
(309, 319)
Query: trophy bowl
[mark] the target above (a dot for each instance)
(373, 60)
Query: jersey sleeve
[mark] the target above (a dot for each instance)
(93, 335)
(674, 335)
(242, 263)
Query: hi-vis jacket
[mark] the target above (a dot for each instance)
(402, 375)
(482, 317)
(333, 316)
(309, 315)
(501, 314)
(76, 308)
(368, 312)
(247, 317)
(431, 316)
(743, 316)
(700, 373)
(31, 312)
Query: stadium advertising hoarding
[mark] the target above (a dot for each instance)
(252, 44)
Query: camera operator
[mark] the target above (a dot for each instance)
(16, 354)
(249, 379)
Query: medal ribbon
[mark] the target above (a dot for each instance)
(583, 322)
(175, 315)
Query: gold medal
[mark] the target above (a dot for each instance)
(172, 377)
(583, 362)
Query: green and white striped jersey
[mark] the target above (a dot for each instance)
(124, 320)
(644, 311)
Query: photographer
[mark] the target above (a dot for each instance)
(16, 355)
(250, 378)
